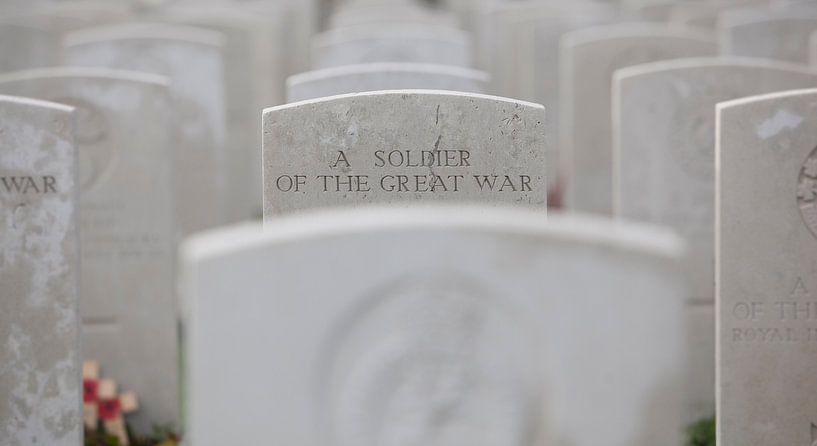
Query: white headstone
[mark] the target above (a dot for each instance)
(379, 12)
(40, 392)
(384, 76)
(665, 170)
(767, 266)
(589, 58)
(403, 146)
(758, 33)
(525, 63)
(193, 60)
(392, 43)
(254, 79)
(25, 46)
(439, 326)
(125, 148)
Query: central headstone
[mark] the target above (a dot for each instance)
(40, 393)
(402, 146)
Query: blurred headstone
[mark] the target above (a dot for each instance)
(392, 43)
(665, 171)
(193, 59)
(759, 33)
(384, 76)
(588, 60)
(40, 395)
(442, 326)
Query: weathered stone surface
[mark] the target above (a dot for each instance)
(767, 221)
(392, 43)
(440, 326)
(760, 33)
(664, 158)
(193, 60)
(403, 146)
(40, 393)
(589, 58)
(384, 76)
(125, 146)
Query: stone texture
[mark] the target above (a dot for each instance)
(378, 148)
(40, 393)
(440, 326)
(767, 269)
(126, 226)
(664, 158)
(589, 58)
(383, 76)
(193, 60)
(758, 33)
(392, 43)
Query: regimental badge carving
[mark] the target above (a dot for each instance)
(93, 140)
(431, 361)
(807, 192)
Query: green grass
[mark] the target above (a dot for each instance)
(701, 433)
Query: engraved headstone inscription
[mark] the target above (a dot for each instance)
(440, 326)
(126, 224)
(403, 146)
(40, 394)
(589, 57)
(767, 270)
(384, 76)
(665, 170)
(193, 60)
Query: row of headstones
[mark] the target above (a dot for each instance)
(167, 135)
(484, 325)
(350, 132)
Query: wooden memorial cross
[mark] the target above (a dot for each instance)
(100, 402)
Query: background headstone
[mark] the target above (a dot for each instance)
(758, 33)
(665, 171)
(767, 221)
(402, 146)
(40, 393)
(392, 43)
(589, 58)
(193, 60)
(384, 76)
(124, 141)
